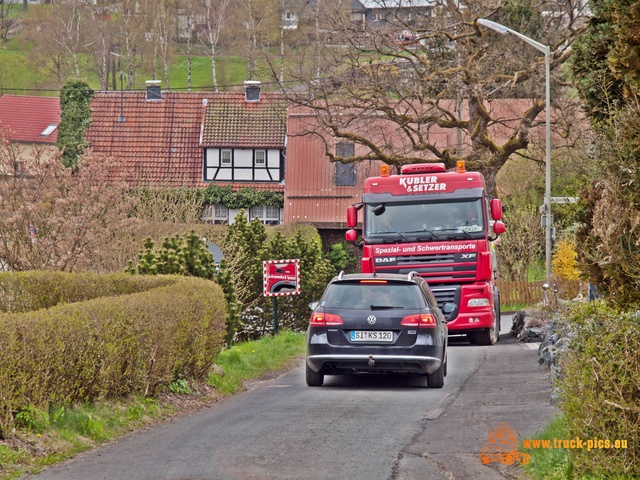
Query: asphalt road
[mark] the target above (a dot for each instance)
(366, 427)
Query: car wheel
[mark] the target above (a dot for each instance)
(314, 379)
(446, 362)
(436, 379)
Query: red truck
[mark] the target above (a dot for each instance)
(441, 224)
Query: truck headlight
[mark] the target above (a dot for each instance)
(478, 302)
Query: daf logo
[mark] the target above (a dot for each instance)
(371, 319)
(385, 259)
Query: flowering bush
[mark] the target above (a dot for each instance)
(56, 218)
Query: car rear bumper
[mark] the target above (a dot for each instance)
(350, 363)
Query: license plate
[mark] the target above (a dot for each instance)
(371, 336)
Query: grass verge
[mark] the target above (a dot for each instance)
(252, 360)
(48, 437)
(549, 463)
(513, 308)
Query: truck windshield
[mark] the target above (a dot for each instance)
(409, 221)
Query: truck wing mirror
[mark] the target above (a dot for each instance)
(499, 227)
(351, 236)
(496, 209)
(352, 216)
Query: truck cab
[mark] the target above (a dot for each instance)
(441, 224)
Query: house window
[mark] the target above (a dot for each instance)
(345, 173)
(261, 158)
(225, 157)
(218, 214)
(49, 130)
(268, 215)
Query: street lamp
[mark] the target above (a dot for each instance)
(547, 193)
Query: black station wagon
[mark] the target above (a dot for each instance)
(377, 323)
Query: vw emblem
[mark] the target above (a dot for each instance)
(371, 319)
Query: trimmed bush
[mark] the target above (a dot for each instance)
(33, 290)
(600, 388)
(108, 346)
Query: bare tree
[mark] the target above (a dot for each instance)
(8, 18)
(101, 24)
(131, 37)
(437, 72)
(161, 13)
(190, 14)
(261, 22)
(215, 16)
(63, 32)
(70, 19)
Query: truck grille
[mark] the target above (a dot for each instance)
(413, 259)
(448, 294)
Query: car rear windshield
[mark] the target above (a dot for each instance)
(364, 296)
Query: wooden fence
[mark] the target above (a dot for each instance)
(531, 293)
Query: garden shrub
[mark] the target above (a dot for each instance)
(33, 290)
(600, 388)
(109, 346)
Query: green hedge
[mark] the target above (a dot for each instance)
(107, 346)
(33, 290)
(600, 385)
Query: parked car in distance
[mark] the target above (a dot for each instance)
(377, 323)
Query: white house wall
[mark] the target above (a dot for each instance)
(242, 166)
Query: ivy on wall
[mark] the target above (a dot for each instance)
(244, 198)
(75, 115)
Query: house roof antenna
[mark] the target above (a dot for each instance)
(121, 117)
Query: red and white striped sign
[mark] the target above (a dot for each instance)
(281, 277)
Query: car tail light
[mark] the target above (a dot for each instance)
(322, 319)
(424, 320)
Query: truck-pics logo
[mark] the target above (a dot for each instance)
(502, 447)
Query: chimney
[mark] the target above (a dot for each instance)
(252, 90)
(154, 93)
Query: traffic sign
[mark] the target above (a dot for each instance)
(564, 199)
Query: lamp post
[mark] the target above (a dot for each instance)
(547, 193)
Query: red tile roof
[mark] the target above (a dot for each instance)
(261, 124)
(158, 143)
(28, 116)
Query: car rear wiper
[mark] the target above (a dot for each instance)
(382, 307)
